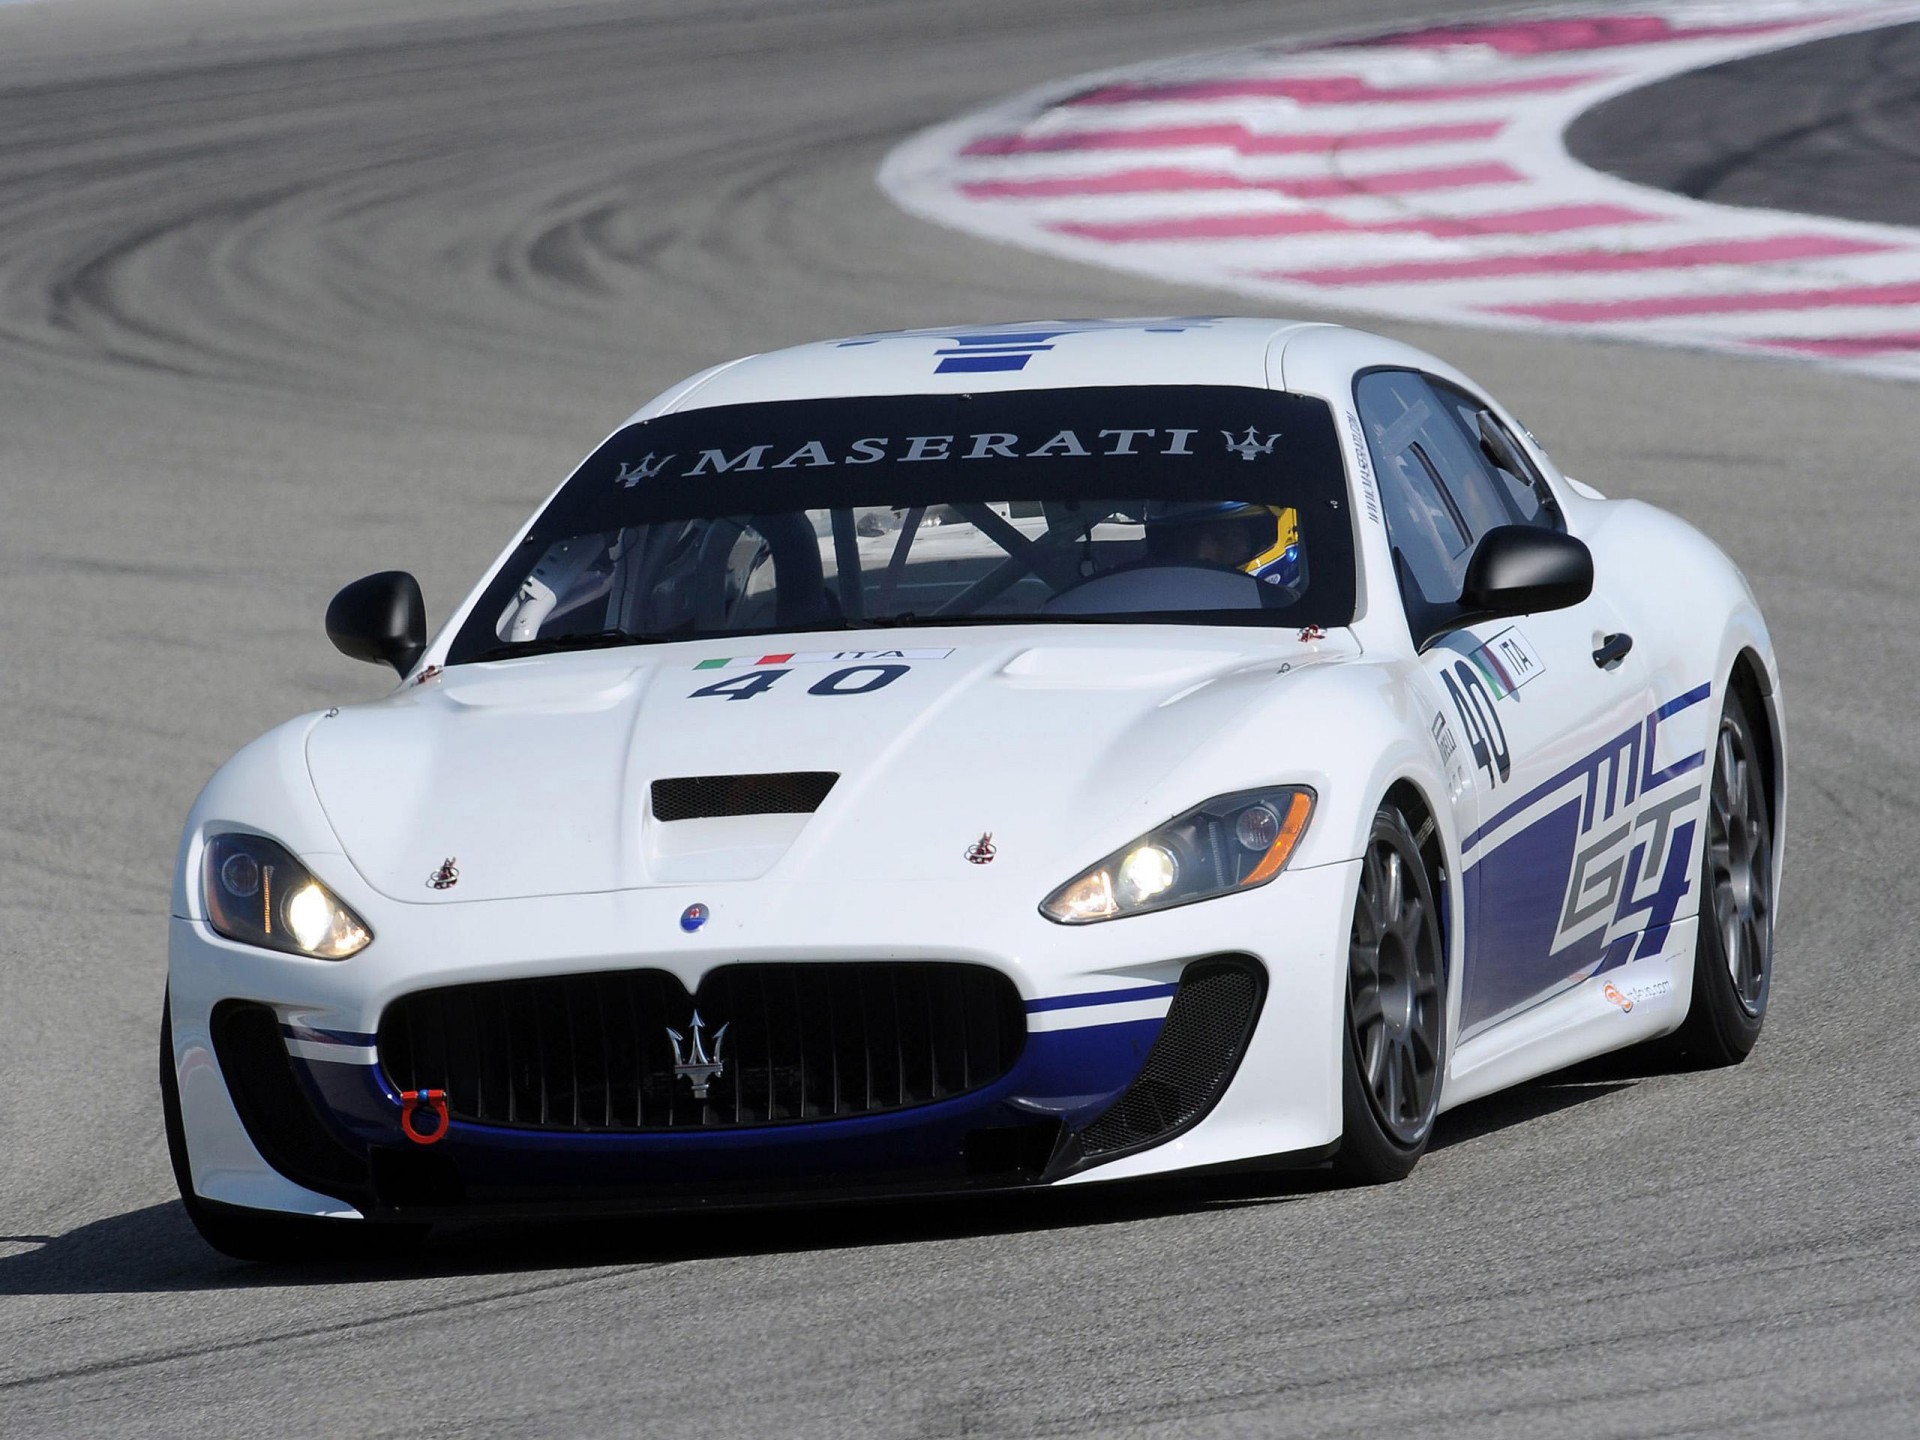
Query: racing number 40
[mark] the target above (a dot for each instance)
(1485, 734)
(852, 680)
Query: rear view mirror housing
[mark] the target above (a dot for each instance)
(1521, 569)
(1517, 570)
(380, 618)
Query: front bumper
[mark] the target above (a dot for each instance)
(1097, 1000)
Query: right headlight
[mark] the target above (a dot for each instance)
(1233, 842)
(258, 894)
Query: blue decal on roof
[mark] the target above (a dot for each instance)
(975, 364)
(1009, 348)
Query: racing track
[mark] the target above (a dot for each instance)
(293, 292)
(1826, 128)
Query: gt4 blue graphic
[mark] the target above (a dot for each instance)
(1594, 880)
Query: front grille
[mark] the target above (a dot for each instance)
(700, 797)
(1192, 1059)
(800, 1042)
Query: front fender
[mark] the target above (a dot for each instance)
(264, 788)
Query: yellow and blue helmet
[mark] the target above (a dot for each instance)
(1260, 540)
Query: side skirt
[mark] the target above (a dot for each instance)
(1609, 1011)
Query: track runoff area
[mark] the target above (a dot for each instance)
(1422, 174)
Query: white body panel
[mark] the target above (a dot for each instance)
(1065, 743)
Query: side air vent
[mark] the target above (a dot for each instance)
(274, 1107)
(701, 797)
(1194, 1056)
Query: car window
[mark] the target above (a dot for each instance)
(1176, 504)
(1516, 485)
(1415, 444)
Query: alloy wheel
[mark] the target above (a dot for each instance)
(1393, 990)
(1740, 866)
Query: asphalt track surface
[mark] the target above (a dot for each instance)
(292, 293)
(1830, 128)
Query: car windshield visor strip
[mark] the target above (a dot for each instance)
(1197, 504)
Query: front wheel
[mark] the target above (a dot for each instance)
(1395, 1016)
(1733, 957)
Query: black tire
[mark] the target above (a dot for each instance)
(1394, 1027)
(1733, 957)
(258, 1234)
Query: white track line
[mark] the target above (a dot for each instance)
(1423, 174)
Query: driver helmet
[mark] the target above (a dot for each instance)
(1259, 540)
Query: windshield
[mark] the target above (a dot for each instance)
(1191, 504)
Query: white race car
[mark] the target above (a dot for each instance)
(996, 757)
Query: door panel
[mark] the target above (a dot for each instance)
(1570, 864)
(1556, 870)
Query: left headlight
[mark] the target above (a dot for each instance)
(258, 894)
(1233, 842)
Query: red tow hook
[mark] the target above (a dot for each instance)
(432, 1100)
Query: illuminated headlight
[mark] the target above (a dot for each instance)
(1233, 842)
(258, 894)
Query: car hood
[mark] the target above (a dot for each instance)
(535, 777)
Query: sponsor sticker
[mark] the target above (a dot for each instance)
(1507, 662)
(1626, 995)
(1443, 740)
(1363, 463)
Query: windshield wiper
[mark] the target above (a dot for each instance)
(553, 644)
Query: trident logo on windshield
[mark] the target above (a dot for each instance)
(692, 1059)
(1250, 444)
(648, 469)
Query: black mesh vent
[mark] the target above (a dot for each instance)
(800, 1042)
(1192, 1059)
(699, 797)
(273, 1107)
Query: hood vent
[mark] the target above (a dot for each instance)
(702, 797)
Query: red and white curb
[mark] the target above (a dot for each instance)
(1422, 174)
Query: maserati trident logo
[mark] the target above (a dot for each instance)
(1250, 445)
(446, 877)
(692, 1059)
(648, 469)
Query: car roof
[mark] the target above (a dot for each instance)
(1025, 355)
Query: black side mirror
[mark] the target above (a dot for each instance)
(1518, 570)
(382, 618)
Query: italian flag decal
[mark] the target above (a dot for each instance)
(818, 657)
